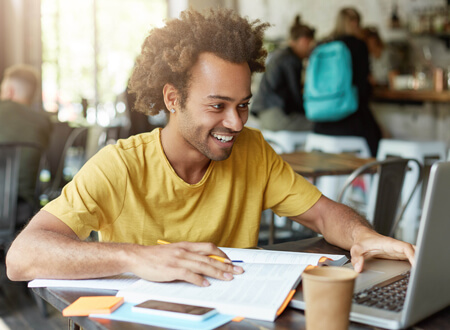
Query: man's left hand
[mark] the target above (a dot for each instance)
(372, 244)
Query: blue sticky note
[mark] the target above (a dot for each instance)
(125, 313)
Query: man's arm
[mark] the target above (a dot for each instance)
(343, 227)
(48, 248)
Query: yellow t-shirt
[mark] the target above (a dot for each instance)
(129, 192)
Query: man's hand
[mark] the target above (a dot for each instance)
(372, 244)
(183, 261)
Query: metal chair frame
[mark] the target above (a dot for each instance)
(388, 204)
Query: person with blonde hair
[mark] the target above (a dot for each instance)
(20, 123)
(348, 23)
(278, 104)
(361, 123)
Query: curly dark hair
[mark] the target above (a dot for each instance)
(168, 53)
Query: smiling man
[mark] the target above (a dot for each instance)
(200, 182)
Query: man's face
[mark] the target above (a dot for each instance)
(216, 108)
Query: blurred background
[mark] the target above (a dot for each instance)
(85, 50)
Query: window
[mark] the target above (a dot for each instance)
(88, 52)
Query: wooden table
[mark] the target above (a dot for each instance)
(314, 164)
(290, 319)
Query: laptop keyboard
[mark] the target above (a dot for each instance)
(388, 295)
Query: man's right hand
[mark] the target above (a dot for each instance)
(183, 261)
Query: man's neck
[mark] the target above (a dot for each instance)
(189, 164)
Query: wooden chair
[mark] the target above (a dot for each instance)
(387, 191)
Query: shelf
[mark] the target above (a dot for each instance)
(384, 94)
(444, 36)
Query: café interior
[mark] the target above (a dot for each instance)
(85, 51)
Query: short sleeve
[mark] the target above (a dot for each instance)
(287, 193)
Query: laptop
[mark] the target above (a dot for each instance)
(427, 284)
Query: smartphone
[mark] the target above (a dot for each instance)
(181, 311)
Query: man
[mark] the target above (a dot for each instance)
(278, 104)
(201, 182)
(19, 123)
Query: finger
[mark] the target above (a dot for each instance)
(410, 251)
(184, 269)
(396, 250)
(358, 263)
(212, 251)
(168, 272)
(210, 267)
(182, 252)
(202, 264)
(191, 277)
(357, 258)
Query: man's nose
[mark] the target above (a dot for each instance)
(233, 120)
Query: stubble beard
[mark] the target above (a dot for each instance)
(196, 139)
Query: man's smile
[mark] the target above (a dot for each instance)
(223, 138)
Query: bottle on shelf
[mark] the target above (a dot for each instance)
(395, 20)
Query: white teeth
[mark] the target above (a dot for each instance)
(223, 138)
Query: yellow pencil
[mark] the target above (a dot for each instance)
(221, 259)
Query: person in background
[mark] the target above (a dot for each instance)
(200, 182)
(278, 104)
(375, 46)
(20, 123)
(373, 40)
(361, 123)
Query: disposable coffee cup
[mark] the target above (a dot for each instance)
(328, 295)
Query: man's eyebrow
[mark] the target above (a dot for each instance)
(227, 98)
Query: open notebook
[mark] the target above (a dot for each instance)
(427, 284)
(261, 292)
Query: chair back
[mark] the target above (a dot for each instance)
(9, 187)
(60, 133)
(76, 138)
(111, 134)
(390, 176)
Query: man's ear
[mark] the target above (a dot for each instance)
(171, 96)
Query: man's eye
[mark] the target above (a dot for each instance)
(217, 106)
(244, 105)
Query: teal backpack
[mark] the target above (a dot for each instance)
(328, 93)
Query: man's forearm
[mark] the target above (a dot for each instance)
(45, 254)
(338, 223)
(343, 226)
